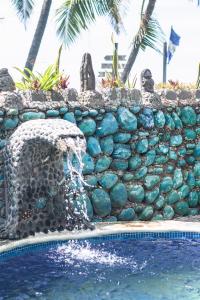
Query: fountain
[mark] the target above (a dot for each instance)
(36, 188)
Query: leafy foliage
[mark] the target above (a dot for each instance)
(175, 85)
(76, 15)
(24, 9)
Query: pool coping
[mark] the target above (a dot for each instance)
(103, 229)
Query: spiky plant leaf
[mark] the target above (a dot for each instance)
(24, 9)
(76, 15)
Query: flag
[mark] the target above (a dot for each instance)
(173, 43)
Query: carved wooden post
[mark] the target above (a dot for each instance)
(87, 76)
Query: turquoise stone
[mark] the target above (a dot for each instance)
(157, 217)
(156, 170)
(173, 155)
(107, 145)
(69, 116)
(150, 157)
(151, 180)
(101, 202)
(88, 164)
(93, 112)
(1, 113)
(197, 130)
(170, 168)
(127, 214)
(128, 177)
(140, 173)
(10, 123)
(138, 208)
(190, 160)
(182, 208)
(168, 212)
(63, 110)
(178, 178)
(189, 134)
(169, 122)
(196, 152)
(191, 180)
(83, 203)
(181, 163)
(107, 126)
(108, 180)
(146, 119)
(118, 195)
(197, 170)
(2, 143)
(173, 197)
(102, 164)
(193, 199)
(122, 137)
(135, 109)
(188, 116)
(93, 146)
(160, 202)
(136, 193)
(40, 203)
(119, 164)
(159, 119)
(151, 196)
(176, 140)
(166, 185)
(78, 112)
(198, 118)
(194, 211)
(163, 149)
(161, 159)
(153, 140)
(32, 115)
(12, 112)
(147, 213)
(142, 146)
(110, 219)
(134, 162)
(127, 120)
(177, 121)
(182, 151)
(121, 151)
(184, 191)
(91, 181)
(87, 126)
(52, 113)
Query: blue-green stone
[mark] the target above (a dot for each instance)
(162, 149)
(93, 112)
(161, 159)
(108, 180)
(78, 112)
(160, 202)
(136, 193)
(135, 109)
(157, 217)
(156, 170)
(82, 202)
(118, 195)
(107, 126)
(134, 162)
(121, 151)
(166, 184)
(173, 197)
(172, 155)
(52, 113)
(168, 212)
(178, 178)
(69, 116)
(182, 208)
(177, 121)
(140, 173)
(170, 168)
(10, 123)
(197, 130)
(194, 211)
(159, 119)
(127, 214)
(40, 203)
(151, 196)
(138, 208)
(142, 146)
(153, 140)
(102, 164)
(189, 134)
(169, 122)
(184, 191)
(122, 137)
(101, 202)
(119, 164)
(197, 170)
(193, 199)
(151, 180)
(87, 126)
(190, 160)
(188, 116)
(88, 164)
(107, 145)
(150, 157)
(63, 110)
(176, 140)
(147, 213)
(181, 163)
(91, 181)
(127, 120)
(182, 151)
(191, 180)
(110, 219)
(2, 143)
(93, 147)
(128, 177)
(196, 152)
(12, 112)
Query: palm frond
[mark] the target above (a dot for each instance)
(151, 36)
(24, 9)
(76, 15)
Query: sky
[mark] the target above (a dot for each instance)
(183, 15)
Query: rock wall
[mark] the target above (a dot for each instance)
(141, 162)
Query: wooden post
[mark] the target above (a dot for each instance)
(164, 62)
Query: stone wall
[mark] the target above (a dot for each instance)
(141, 162)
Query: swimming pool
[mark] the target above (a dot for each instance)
(142, 266)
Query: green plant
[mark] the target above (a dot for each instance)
(198, 78)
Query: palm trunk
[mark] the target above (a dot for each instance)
(32, 55)
(137, 41)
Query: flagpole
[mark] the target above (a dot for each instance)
(164, 62)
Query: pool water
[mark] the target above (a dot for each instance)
(98, 270)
